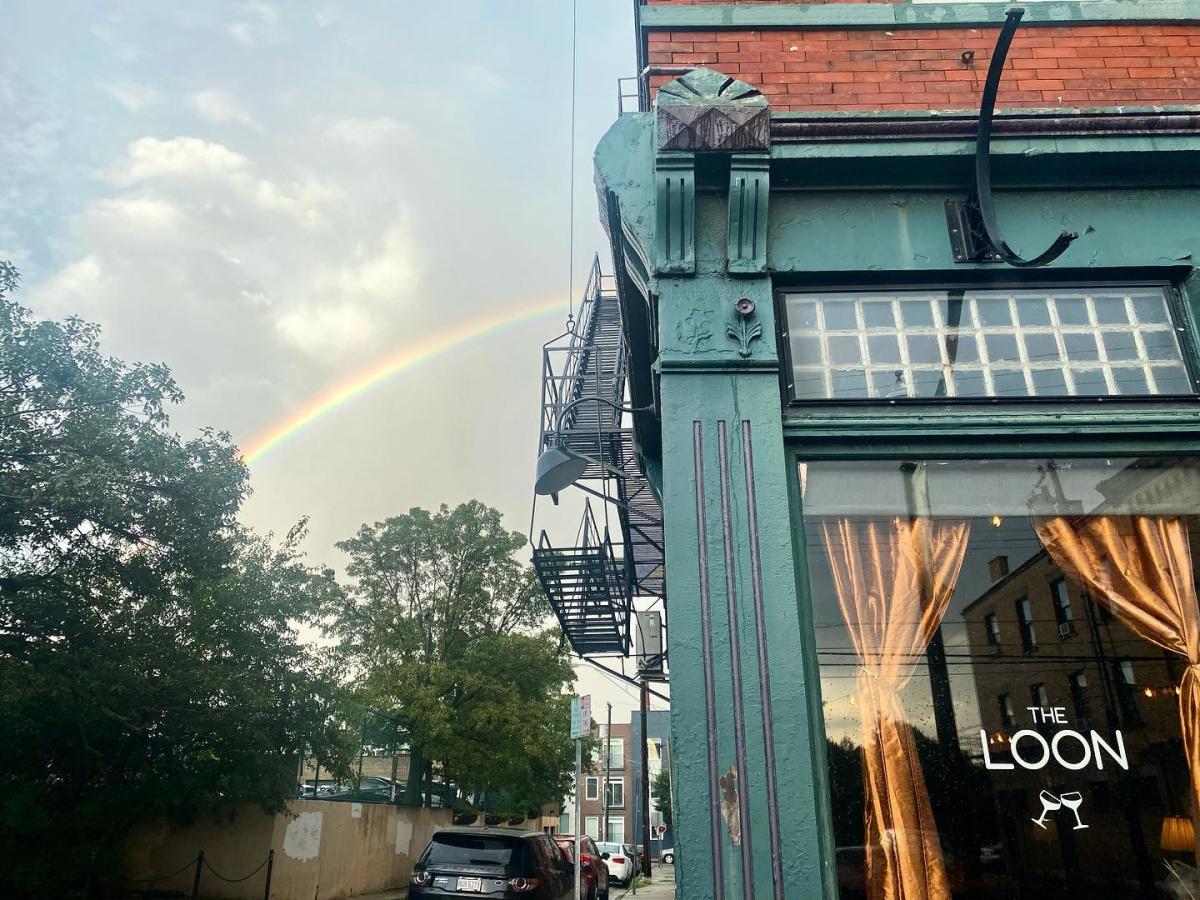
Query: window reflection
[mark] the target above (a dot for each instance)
(1008, 655)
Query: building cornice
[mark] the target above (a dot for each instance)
(910, 15)
(1123, 122)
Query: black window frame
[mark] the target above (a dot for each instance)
(1177, 308)
(1029, 642)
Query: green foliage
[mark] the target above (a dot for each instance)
(444, 624)
(660, 790)
(149, 663)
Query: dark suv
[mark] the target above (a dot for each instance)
(494, 862)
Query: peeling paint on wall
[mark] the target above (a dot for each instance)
(302, 840)
(404, 833)
(729, 806)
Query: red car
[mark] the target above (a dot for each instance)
(593, 873)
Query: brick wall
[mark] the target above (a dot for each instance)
(903, 68)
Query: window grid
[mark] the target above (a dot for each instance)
(1114, 342)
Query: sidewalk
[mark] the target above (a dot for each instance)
(662, 887)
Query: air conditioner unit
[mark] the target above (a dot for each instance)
(1065, 629)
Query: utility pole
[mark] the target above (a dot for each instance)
(607, 765)
(645, 780)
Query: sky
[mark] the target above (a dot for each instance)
(276, 199)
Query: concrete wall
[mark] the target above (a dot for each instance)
(322, 850)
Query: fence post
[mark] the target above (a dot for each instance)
(270, 866)
(196, 879)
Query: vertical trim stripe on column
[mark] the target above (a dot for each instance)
(764, 673)
(710, 698)
(735, 651)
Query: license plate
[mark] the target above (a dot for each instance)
(470, 884)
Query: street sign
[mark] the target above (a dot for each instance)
(661, 829)
(581, 716)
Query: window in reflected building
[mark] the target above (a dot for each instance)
(960, 772)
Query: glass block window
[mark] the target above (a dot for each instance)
(1107, 342)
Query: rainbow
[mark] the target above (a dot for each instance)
(342, 393)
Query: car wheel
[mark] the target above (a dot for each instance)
(669, 859)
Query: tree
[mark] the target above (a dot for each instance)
(443, 623)
(149, 664)
(661, 791)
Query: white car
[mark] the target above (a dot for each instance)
(621, 862)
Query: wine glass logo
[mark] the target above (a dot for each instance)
(1050, 803)
(1072, 800)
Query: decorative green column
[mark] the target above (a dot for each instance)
(748, 756)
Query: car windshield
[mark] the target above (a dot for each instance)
(476, 851)
(609, 848)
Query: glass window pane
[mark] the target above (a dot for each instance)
(1042, 728)
(878, 314)
(924, 349)
(962, 348)
(1150, 309)
(808, 384)
(1072, 310)
(888, 383)
(1172, 380)
(1081, 347)
(928, 383)
(1161, 344)
(844, 351)
(839, 315)
(993, 311)
(1130, 380)
(1032, 311)
(1110, 309)
(1002, 348)
(806, 349)
(1009, 382)
(916, 313)
(1049, 383)
(802, 315)
(883, 348)
(849, 385)
(1090, 382)
(970, 383)
(1041, 348)
(1120, 345)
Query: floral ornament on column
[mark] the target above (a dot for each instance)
(744, 331)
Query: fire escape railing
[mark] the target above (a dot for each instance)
(590, 361)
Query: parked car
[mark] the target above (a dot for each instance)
(499, 862)
(668, 857)
(643, 860)
(593, 873)
(371, 789)
(622, 865)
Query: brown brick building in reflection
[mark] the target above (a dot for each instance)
(1037, 640)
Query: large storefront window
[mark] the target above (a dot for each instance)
(1009, 654)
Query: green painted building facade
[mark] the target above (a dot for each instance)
(724, 216)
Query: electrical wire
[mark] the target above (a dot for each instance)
(571, 187)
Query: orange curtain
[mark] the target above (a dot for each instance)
(1141, 567)
(893, 581)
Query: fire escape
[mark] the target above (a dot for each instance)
(592, 584)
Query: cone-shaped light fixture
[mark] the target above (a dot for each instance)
(558, 468)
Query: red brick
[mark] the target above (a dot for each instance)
(1151, 73)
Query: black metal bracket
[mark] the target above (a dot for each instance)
(974, 232)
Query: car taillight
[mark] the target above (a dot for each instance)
(521, 885)
(618, 859)
(420, 877)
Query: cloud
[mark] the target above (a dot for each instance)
(219, 108)
(369, 133)
(256, 282)
(133, 96)
(181, 157)
(258, 25)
